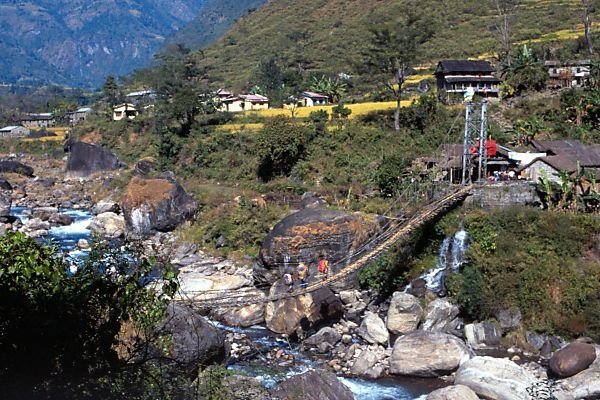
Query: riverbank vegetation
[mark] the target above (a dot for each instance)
(87, 333)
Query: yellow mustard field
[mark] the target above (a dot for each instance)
(357, 109)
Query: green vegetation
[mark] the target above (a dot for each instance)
(60, 332)
(287, 31)
(544, 263)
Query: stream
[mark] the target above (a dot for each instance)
(391, 388)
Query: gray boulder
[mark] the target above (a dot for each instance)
(194, 341)
(325, 335)
(15, 167)
(155, 204)
(364, 365)
(108, 225)
(245, 316)
(509, 319)
(440, 316)
(5, 198)
(300, 313)
(427, 354)
(404, 313)
(572, 359)
(495, 378)
(483, 334)
(584, 385)
(86, 159)
(312, 385)
(373, 329)
(458, 392)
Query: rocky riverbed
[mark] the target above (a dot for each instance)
(345, 334)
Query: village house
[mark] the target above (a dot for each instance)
(78, 116)
(14, 132)
(568, 74)
(126, 110)
(456, 77)
(223, 94)
(141, 97)
(449, 163)
(244, 102)
(42, 120)
(311, 99)
(561, 155)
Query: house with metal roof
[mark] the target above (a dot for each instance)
(40, 120)
(569, 156)
(78, 116)
(124, 111)
(245, 102)
(14, 132)
(567, 74)
(311, 99)
(457, 77)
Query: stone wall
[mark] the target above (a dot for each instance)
(503, 194)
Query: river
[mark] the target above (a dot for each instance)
(392, 388)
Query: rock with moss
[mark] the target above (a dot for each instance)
(155, 204)
(310, 234)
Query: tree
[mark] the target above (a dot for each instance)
(394, 48)
(58, 326)
(340, 113)
(506, 12)
(334, 88)
(280, 145)
(588, 11)
(111, 92)
(526, 72)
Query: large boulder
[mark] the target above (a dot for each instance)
(572, 359)
(108, 225)
(309, 234)
(86, 159)
(245, 316)
(194, 341)
(482, 334)
(373, 329)
(300, 313)
(584, 385)
(312, 385)
(5, 198)
(427, 354)
(495, 378)
(15, 167)
(325, 335)
(404, 313)
(440, 316)
(458, 392)
(156, 204)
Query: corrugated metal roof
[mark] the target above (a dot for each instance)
(314, 94)
(8, 128)
(477, 66)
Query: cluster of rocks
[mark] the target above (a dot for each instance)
(430, 341)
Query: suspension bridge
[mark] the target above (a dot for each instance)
(394, 231)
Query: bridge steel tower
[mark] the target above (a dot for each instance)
(474, 160)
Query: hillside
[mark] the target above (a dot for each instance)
(76, 42)
(328, 36)
(215, 18)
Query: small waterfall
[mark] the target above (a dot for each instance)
(451, 257)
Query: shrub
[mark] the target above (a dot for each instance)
(280, 145)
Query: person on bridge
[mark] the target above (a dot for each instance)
(323, 268)
(302, 272)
